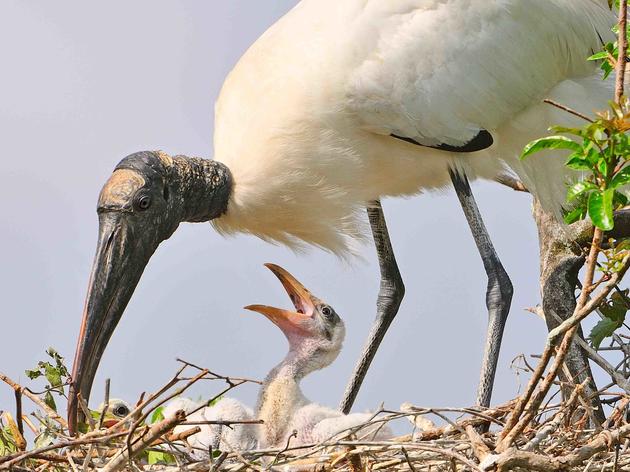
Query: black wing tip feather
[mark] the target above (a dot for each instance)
(481, 141)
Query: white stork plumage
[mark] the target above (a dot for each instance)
(304, 121)
(342, 103)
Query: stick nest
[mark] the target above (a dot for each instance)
(560, 437)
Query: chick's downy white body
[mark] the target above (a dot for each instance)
(328, 84)
(289, 415)
(316, 423)
(217, 437)
(315, 334)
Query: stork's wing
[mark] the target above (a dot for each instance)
(438, 72)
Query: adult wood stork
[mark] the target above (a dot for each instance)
(341, 103)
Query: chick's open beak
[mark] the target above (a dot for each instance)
(298, 321)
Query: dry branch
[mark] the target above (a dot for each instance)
(456, 445)
(52, 414)
(155, 431)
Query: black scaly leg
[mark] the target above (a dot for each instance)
(499, 292)
(389, 298)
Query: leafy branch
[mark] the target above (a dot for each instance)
(56, 373)
(600, 150)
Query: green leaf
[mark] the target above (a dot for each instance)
(215, 401)
(63, 371)
(607, 68)
(602, 330)
(33, 374)
(53, 353)
(620, 200)
(598, 56)
(621, 178)
(550, 142)
(566, 130)
(156, 457)
(622, 142)
(579, 188)
(49, 400)
(577, 161)
(592, 153)
(53, 376)
(617, 306)
(614, 312)
(600, 208)
(596, 132)
(45, 438)
(7, 442)
(575, 215)
(623, 245)
(157, 415)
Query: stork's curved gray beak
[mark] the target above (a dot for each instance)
(121, 257)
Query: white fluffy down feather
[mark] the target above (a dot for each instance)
(216, 437)
(316, 423)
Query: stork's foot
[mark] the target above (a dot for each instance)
(498, 301)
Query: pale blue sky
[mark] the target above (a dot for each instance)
(82, 85)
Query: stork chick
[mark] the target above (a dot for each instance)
(315, 333)
(116, 410)
(240, 437)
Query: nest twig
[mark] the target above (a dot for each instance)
(558, 438)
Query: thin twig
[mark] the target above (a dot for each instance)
(156, 430)
(105, 404)
(567, 109)
(52, 414)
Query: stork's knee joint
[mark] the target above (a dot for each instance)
(500, 290)
(393, 291)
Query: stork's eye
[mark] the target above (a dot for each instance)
(121, 410)
(328, 312)
(143, 202)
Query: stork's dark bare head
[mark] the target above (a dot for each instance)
(143, 202)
